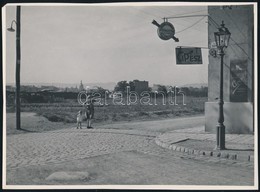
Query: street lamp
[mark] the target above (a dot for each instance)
(18, 62)
(222, 39)
(11, 29)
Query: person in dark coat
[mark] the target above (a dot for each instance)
(89, 112)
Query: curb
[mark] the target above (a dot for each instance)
(191, 151)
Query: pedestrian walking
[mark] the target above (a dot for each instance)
(79, 119)
(89, 112)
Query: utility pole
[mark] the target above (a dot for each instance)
(18, 63)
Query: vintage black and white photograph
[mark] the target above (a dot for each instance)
(123, 95)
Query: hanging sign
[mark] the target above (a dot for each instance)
(188, 55)
(166, 31)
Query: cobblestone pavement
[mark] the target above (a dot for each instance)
(70, 144)
(115, 156)
(73, 144)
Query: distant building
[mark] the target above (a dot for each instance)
(49, 88)
(141, 86)
(10, 88)
(167, 87)
(155, 87)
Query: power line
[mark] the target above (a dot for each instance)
(162, 11)
(147, 13)
(217, 26)
(164, 14)
(184, 46)
(190, 12)
(170, 13)
(150, 14)
(203, 10)
(191, 25)
(175, 17)
(210, 19)
(197, 42)
(214, 22)
(234, 23)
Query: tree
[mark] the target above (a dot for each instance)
(162, 88)
(121, 87)
(186, 91)
(132, 85)
(101, 91)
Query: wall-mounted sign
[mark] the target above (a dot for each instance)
(188, 55)
(228, 7)
(238, 81)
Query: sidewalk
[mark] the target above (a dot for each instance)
(196, 141)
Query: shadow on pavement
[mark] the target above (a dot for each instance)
(239, 149)
(25, 130)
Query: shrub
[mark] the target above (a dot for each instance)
(124, 114)
(53, 117)
(142, 113)
(162, 112)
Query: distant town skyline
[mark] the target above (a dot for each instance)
(100, 84)
(100, 44)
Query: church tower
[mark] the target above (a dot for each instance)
(81, 87)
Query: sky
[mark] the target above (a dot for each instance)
(67, 44)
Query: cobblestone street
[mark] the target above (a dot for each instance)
(130, 96)
(113, 154)
(60, 146)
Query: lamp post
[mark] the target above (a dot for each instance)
(222, 40)
(18, 62)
